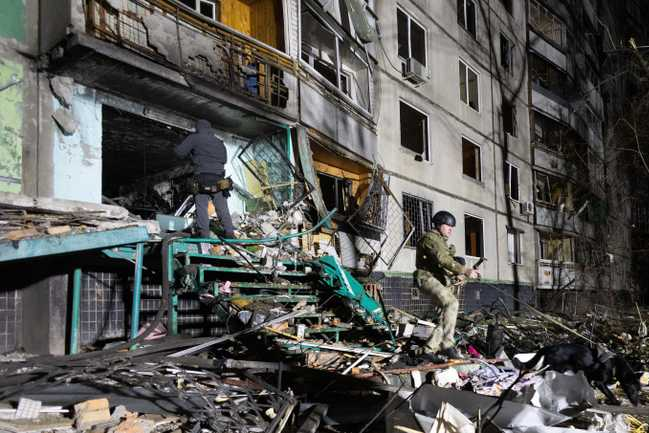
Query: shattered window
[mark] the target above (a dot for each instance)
(339, 61)
(469, 86)
(473, 236)
(514, 246)
(420, 214)
(414, 130)
(554, 191)
(546, 23)
(556, 248)
(471, 165)
(466, 15)
(511, 181)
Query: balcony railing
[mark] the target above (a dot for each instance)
(234, 62)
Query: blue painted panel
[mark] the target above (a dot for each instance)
(49, 245)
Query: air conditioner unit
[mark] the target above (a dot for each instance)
(527, 208)
(416, 73)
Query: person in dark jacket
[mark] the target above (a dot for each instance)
(208, 155)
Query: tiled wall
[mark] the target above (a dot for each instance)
(402, 292)
(103, 306)
(10, 319)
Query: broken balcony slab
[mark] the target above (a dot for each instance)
(49, 245)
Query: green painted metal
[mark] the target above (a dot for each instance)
(12, 19)
(76, 312)
(278, 286)
(11, 113)
(287, 299)
(50, 245)
(345, 285)
(240, 270)
(137, 291)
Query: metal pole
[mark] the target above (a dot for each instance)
(137, 291)
(76, 311)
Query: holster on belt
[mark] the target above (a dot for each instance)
(226, 185)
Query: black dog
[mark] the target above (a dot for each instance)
(599, 369)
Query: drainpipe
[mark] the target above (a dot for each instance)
(289, 151)
(76, 312)
(137, 289)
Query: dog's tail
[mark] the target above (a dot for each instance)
(529, 364)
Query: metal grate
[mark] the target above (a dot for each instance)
(103, 314)
(274, 178)
(420, 217)
(371, 221)
(10, 319)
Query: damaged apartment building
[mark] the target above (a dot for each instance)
(385, 111)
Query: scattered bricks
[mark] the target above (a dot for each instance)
(91, 412)
(134, 425)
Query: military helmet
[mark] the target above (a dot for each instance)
(443, 217)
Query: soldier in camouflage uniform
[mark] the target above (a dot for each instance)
(436, 266)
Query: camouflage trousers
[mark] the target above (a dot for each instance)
(442, 336)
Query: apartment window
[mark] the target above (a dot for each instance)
(469, 86)
(509, 7)
(339, 61)
(473, 236)
(411, 40)
(471, 165)
(509, 118)
(511, 181)
(514, 246)
(551, 134)
(336, 192)
(548, 76)
(414, 129)
(420, 214)
(466, 15)
(556, 248)
(506, 54)
(207, 8)
(546, 23)
(554, 191)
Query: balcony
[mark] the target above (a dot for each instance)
(562, 220)
(554, 275)
(161, 52)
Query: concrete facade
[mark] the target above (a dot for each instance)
(75, 83)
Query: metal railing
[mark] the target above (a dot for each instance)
(236, 62)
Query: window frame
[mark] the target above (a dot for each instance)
(479, 154)
(413, 241)
(464, 22)
(467, 94)
(508, 179)
(410, 21)
(216, 8)
(517, 253)
(481, 241)
(338, 65)
(426, 155)
(543, 10)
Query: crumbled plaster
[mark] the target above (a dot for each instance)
(63, 88)
(65, 120)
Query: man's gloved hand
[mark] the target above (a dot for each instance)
(472, 273)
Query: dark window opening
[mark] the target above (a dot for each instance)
(506, 54)
(411, 39)
(471, 160)
(336, 192)
(473, 236)
(414, 130)
(509, 118)
(508, 4)
(466, 15)
(420, 214)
